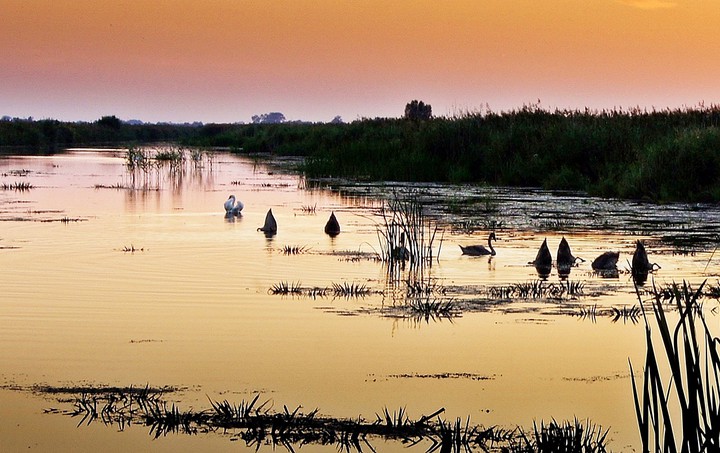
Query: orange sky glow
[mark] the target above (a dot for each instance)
(226, 60)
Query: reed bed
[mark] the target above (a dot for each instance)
(677, 403)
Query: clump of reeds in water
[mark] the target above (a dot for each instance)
(346, 289)
(17, 186)
(309, 209)
(538, 289)
(432, 309)
(294, 249)
(286, 288)
(295, 289)
(563, 437)
(677, 403)
(145, 164)
(407, 240)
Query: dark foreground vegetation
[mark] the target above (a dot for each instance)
(258, 424)
(666, 155)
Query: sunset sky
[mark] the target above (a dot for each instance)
(226, 60)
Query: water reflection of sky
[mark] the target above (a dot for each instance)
(192, 308)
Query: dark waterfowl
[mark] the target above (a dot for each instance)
(641, 265)
(565, 257)
(479, 250)
(606, 262)
(543, 261)
(543, 257)
(332, 227)
(270, 226)
(400, 252)
(640, 261)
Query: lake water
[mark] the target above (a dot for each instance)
(191, 306)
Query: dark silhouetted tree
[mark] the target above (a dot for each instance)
(268, 118)
(110, 121)
(418, 110)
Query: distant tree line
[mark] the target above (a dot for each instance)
(661, 155)
(49, 135)
(665, 155)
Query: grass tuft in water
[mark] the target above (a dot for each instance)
(294, 249)
(17, 186)
(286, 288)
(566, 437)
(350, 289)
(538, 289)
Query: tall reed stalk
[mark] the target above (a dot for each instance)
(682, 411)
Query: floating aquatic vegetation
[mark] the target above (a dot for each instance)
(132, 249)
(117, 186)
(19, 173)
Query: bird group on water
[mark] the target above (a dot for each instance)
(605, 264)
(234, 207)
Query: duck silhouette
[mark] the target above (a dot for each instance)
(332, 227)
(270, 226)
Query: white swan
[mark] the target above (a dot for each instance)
(233, 206)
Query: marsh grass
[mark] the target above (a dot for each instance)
(625, 314)
(346, 289)
(432, 309)
(258, 424)
(149, 167)
(17, 186)
(565, 437)
(309, 209)
(538, 289)
(294, 249)
(285, 288)
(677, 403)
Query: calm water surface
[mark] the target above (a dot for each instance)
(191, 306)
